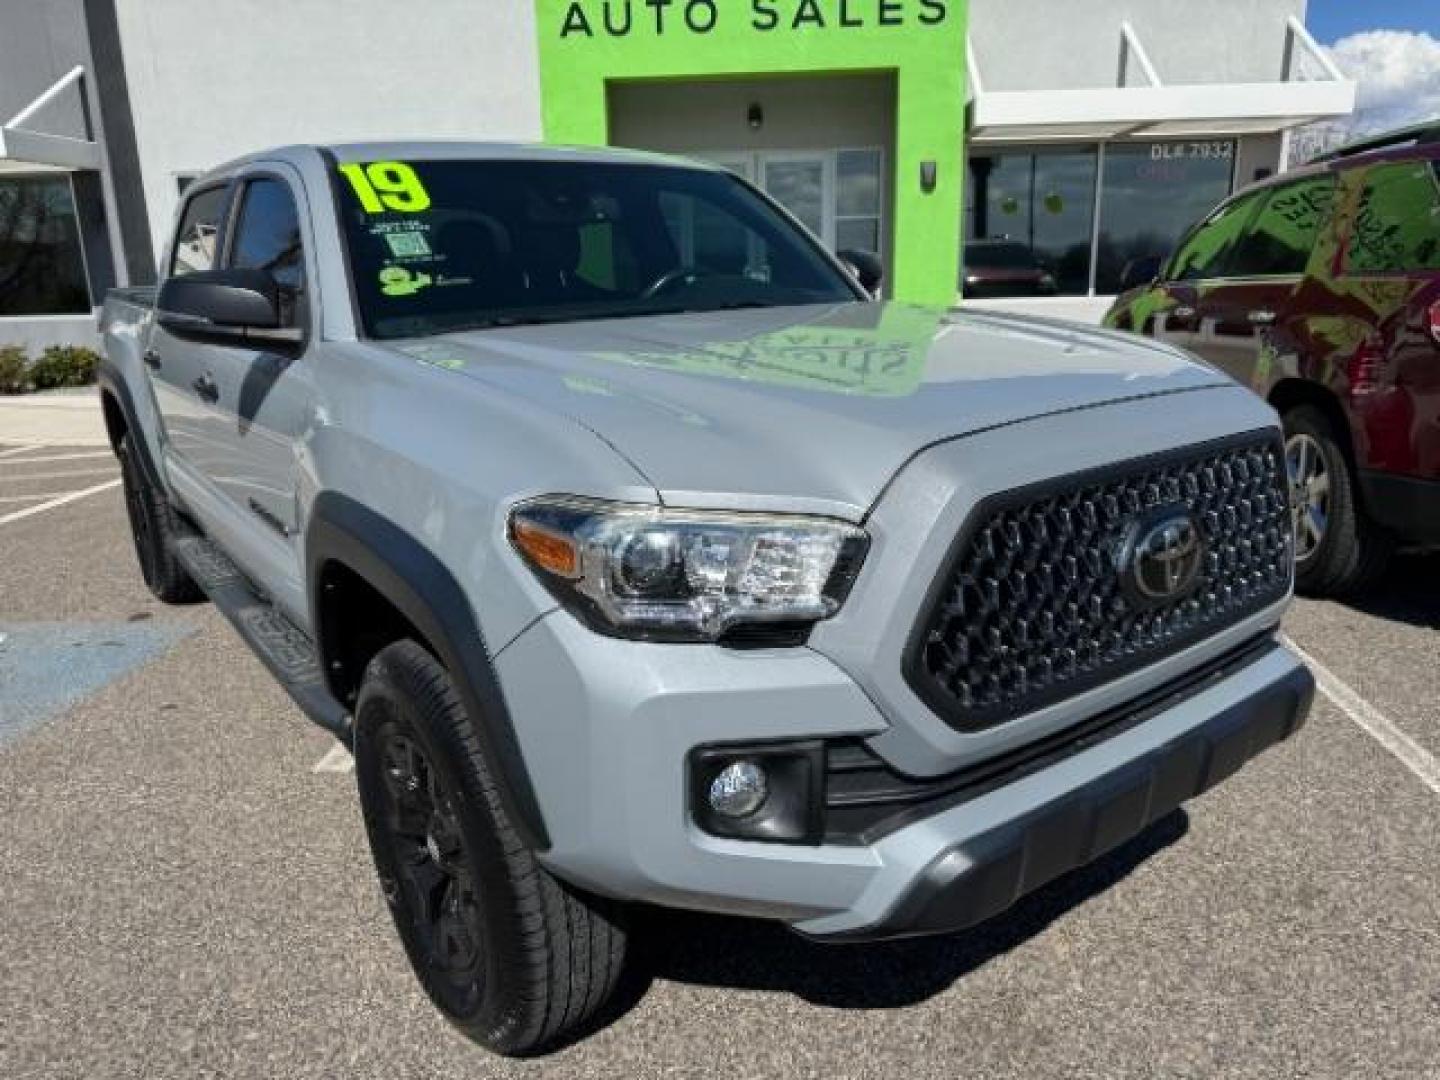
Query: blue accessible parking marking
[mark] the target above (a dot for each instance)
(46, 668)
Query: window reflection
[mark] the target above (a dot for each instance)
(1150, 194)
(1028, 223)
(42, 271)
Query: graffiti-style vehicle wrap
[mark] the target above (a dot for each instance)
(1320, 290)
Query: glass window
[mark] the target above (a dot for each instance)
(42, 270)
(1207, 250)
(499, 243)
(1279, 239)
(858, 203)
(1150, 193)
(1398, 226)
(1043, 202)
(267, 237)
(199, 233)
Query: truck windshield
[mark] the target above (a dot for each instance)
(438, 246)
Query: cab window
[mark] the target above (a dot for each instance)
(1279, 240)
(1397, 227)
(198, 238)
(267, 237)
(1207, 250)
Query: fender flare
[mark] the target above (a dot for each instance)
(419, 586)
(112, 382)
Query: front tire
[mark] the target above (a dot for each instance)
(153, 526)
(1338, 550)
(519, 961)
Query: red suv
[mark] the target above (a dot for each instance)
(1320, 289)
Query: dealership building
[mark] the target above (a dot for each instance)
(1063, 137)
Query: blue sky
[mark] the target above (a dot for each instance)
(1330, 20)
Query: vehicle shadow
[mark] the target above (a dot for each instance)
(709, 950)
(1409, 592)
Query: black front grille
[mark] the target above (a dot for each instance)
(1031, 607)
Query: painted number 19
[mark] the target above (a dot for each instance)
(387, 185)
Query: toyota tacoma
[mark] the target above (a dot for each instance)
(644, 557)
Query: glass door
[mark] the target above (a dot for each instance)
(804, 184)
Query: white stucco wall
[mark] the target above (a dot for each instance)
(285, 71)
(1066, 44)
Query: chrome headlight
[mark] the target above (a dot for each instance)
(686, 575)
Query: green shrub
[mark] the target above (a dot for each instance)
(14, 370)
(64, 365)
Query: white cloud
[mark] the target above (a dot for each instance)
(1398, 72)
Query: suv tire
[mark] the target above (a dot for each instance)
(1351, 551)
(516, 959)
(153, 526)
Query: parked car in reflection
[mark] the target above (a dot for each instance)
(1320, 289)
(1004, 268)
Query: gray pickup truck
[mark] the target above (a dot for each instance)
(645, 558)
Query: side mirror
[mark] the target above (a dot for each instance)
(866, 266)
(227, 305)
(1141, 271)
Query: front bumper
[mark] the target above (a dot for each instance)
(609, 725)
(971, 879)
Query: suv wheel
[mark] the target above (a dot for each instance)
(515, 958)
(153, 526)
(1337, 549)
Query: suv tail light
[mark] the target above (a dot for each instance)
(1432, 318)
(1365, 367)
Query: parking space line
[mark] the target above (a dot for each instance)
(1372, 721)
(336, 760)
(36, 497)
(8, 479)
(58, 457)
(16, 450)
(29, 511)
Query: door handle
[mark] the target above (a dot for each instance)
(1261, 317)
(206, 389)
(152, 359)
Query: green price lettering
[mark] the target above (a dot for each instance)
(387, 185)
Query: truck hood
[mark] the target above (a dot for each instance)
(813, 407)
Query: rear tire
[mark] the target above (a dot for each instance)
(516, 959)
(1338, 550)
(153, 526)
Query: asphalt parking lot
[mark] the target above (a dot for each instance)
(186, 891)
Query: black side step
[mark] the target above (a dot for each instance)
(282, 646)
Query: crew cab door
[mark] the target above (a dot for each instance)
(1244, 318)
(181, 370)
(267, 403)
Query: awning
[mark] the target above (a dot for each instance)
(22, 148)
(1152, 109)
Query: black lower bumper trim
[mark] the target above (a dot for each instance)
(984, 875)
(1406, 505)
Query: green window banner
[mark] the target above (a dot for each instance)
(585, 46)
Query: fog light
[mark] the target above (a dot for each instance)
(739, 789)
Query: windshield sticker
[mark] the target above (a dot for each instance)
(398, 281)
(387, 185)
(407, 245)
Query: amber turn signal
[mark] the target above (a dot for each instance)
(545, 549)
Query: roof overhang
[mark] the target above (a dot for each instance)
(23, 149)
(1155, 111)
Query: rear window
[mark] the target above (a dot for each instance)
(198, 238)
(1397, 228)
(999, 256)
